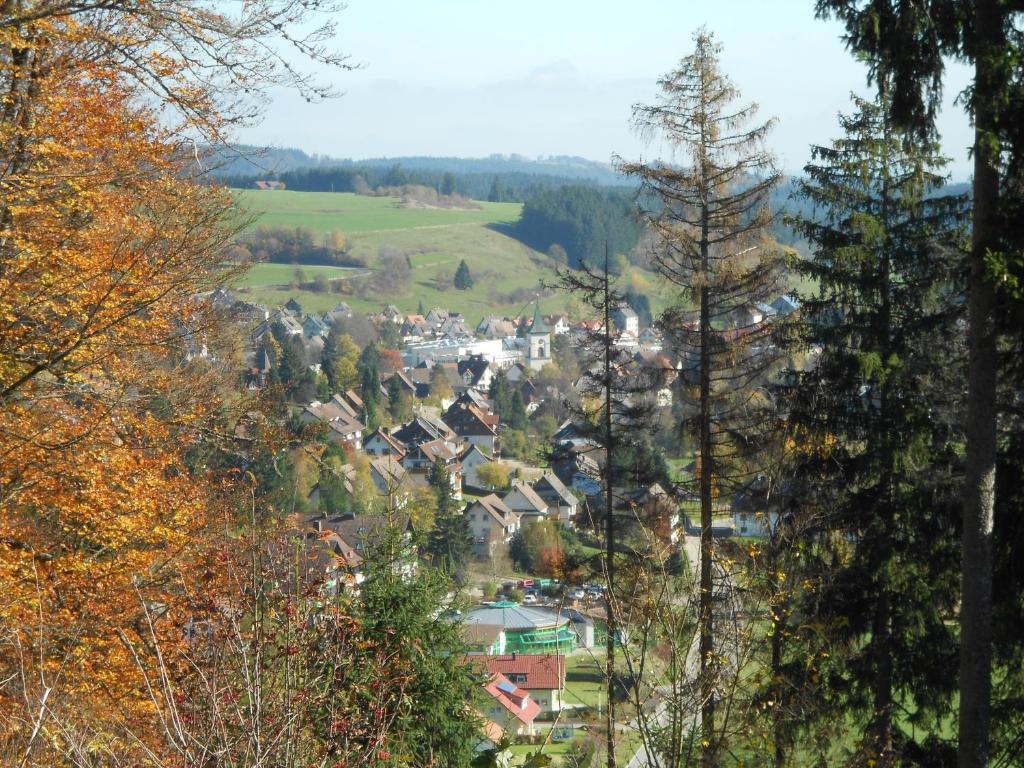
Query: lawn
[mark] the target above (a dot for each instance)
(507, 273)
(590, 692)
(273, 275)
(352, 214)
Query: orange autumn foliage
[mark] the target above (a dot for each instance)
(105, 243)
(103, 246)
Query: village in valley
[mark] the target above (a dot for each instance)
(448, 399)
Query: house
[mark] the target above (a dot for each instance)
(422, 429)
(785, 305)
(269, 185)
(422, 458)
(476, 372)
(405, 382)
(576, 469)
(651, 509)
(387, 474)
(437, 315)
(516, 373)
(491, 737)
(473, 397)
(495, 328)
(558, 498)
(626, 320)
(454, 328)
(474, 426)
(415, 327)
(511, 707)
(542, 675)
(338, 415)
(355, 541)
(338, 315)
(292, 305)
(484, 638)
(471, 461)
(752, 512)
(288, 322)
(525, 502)
(381, 443)
(392, 314)
(559, 324)
(658, 375)
(346, 432)
(424, 455)
(313, 326)
(492, 525)
(747, 315)
(347, 475)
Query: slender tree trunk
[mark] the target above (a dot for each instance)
(705, 604)
(780, 726)
(881, 630)
(979, 484)
(609, 523)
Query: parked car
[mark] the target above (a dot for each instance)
(576, 593)
(525, 583)
(529, 599)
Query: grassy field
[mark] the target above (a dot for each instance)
(435, 240)
(323, 212)
(273, 275)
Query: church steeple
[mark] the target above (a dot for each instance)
(539, 335)
(538, 325)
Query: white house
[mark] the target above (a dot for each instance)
(492, 525)
(559, 499)
(524, 501)
(626, 320)
(472, 460)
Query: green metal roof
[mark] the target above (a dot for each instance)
(538, 325)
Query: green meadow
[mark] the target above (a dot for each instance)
(506, 272)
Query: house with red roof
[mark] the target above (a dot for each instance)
(542, 675)
(511, 707)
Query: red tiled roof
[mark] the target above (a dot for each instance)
(543, 671)
(513, 698)
(492, 731)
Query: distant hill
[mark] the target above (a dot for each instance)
(249, 161)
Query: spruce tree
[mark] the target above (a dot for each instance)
(463, 279)
(450, 542)
(911, 42)
(711, 221)
(879, 433)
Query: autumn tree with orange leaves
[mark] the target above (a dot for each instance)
(106, 243)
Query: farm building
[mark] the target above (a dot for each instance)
(527, 630)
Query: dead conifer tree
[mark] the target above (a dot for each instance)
(710, 215)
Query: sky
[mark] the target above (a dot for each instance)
(471, 78)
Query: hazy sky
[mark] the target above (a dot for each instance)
(470, 78)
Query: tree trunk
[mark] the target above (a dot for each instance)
(979, 484)
(609, 521)
(706, 604)
(780, 704)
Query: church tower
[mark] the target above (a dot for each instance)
(539, 335)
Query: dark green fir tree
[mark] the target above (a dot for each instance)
(875, 417)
